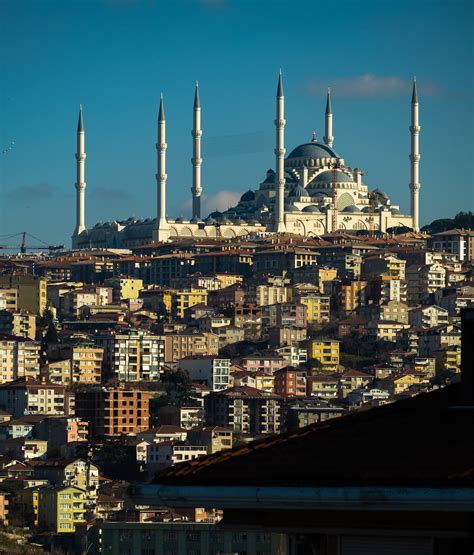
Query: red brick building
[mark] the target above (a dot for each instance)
(114, 412)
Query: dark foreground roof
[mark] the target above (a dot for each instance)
(416, 442)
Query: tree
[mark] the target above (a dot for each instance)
(463, 220)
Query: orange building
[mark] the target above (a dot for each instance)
(113, 412)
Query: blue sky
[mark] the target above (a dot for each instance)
(116, 56)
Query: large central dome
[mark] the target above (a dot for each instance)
(313, 150)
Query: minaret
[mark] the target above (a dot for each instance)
(196, 159)
(161, 232)
(415, 158)
(280, 158)
(80, 177)
(328, 138)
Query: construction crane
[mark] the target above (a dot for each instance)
(23, 248)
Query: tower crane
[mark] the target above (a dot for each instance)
(23, 248)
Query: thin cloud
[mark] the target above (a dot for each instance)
(220, 201)
(27, 192)
(372, 86)
(209, 203)
(110, 193)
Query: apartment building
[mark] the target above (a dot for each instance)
(31, 291)
(428, 316)
(424, 280)
(19, 323)
(182, 345)
(124, 288)
(317, 307)
(284, 314)
(29, 396)
(132, 356)
(183, 299)
(325, 352)
(383, 265)
(61, 509)
(265, 362)
(75, 362)
(19, 358)
(245, 410)
(457, 241)
(185, 417)
(209, 370)
(167, 453)
(114, 411)
(290, 382)
(352, 295)
(381, 289)
(74, 300)
(263, 295)
(8, 299)
(283, 258)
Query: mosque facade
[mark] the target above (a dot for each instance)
(310, 192)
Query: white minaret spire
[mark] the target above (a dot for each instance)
(328, 137)
(196, 159)
(80, 176)
(415, 158)
(280, 158)
(161, 232)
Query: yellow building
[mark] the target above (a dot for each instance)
(448, 359)
(317, 306)
(404, 382)
(326, 275)
(352, 295)
(31, 291)
(265, 382)
(125, 288)
(227, 280)
(185, 298)
(326, 352)
(20, 324)
(8, 299)
(61, 508)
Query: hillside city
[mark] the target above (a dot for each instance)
(118, 364)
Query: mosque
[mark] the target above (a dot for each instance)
(310, 192)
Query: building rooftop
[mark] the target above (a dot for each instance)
(407, 443)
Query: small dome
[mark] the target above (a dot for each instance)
(210, 221)
(395, 211)
(195, 220)
(248, 196)
(380, 192)
(298, 192)
(351, 208)
(313, 150)
(239, 221)
(270, 177)
(311, 208)
(327, 177)
(291, 208)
